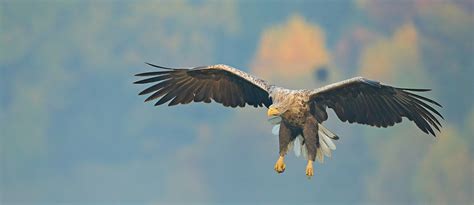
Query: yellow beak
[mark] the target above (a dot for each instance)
(272, 112)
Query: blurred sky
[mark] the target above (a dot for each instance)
(73, 129)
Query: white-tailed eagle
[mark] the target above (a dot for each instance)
(299, 113)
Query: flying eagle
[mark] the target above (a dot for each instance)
(298, 113)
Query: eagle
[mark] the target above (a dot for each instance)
(297, 114)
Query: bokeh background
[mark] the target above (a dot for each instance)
(73, 129)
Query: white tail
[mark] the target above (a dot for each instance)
(325, 142)
(297, 145)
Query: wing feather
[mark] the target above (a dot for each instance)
(156, 87)
(221, 83)
(202, 92)
(182, 91)
(369, 102)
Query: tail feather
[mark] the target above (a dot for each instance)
(319, 155)
(325, 142)
(297, 145)
(324, 147)
(324, 139)
(327, 132)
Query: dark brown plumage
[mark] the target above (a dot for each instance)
(201, 84)
(371, 103)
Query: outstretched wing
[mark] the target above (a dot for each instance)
(222, 83)
(368, 102)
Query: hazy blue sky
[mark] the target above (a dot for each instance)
(74, 130)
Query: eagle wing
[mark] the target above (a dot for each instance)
(369, 102)
(222, 83)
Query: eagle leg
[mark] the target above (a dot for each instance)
(310, 134)
(285, 136)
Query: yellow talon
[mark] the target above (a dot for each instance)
(280, 165)
(309, 169)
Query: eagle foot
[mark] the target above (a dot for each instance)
(309, 169)
(280, 165)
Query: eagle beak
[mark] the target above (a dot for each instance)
(272, 112)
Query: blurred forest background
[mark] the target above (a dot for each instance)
(73, 129)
